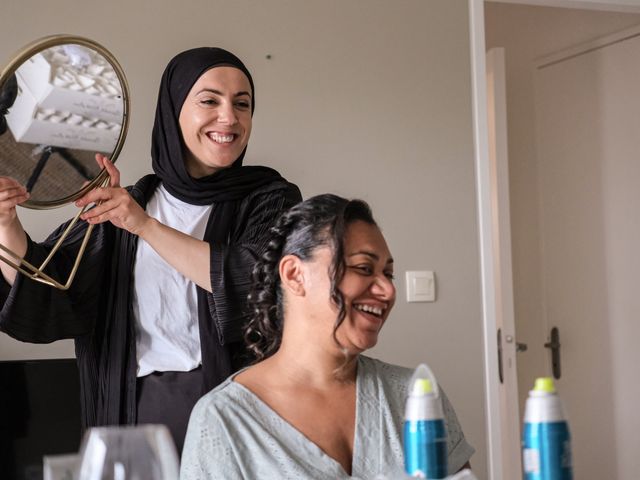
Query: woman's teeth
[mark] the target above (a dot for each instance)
(370, 309)
(220, 138)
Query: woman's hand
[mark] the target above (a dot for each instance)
(113, 203)
(11, 194)
(12, 234)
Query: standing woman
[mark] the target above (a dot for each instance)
(158, 305)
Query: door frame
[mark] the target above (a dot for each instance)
(487, 239)
(501, 229)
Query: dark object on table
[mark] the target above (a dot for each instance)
(39, 414)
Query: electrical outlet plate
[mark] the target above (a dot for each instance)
(421, 286)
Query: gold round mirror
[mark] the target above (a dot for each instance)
(62, 99)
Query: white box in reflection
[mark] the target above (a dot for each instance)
(30, 123)
(56, 93)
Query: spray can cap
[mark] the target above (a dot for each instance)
(423, 401)
(544, 385)
(544, 404)
(423, 382)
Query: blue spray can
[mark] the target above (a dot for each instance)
(425, 433)
(546, 442)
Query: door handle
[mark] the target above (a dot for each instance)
(554, 346)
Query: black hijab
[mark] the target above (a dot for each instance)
(167, 145)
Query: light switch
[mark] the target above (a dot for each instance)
(421, 286)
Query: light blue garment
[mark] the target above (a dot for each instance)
(232, 434)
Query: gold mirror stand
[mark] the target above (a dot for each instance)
(22, 266)
(37, 273)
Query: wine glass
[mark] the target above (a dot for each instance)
(142, 452)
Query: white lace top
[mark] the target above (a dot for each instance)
(232, 434)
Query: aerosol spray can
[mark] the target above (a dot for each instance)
(546, 442)
(425, 434)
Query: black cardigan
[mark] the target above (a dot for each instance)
(97, 313)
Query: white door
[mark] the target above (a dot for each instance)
(588, 150)
(501, 226)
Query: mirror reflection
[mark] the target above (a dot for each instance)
(61, 106)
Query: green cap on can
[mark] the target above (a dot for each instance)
(544, 384)
(422, 386)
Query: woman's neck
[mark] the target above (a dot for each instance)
(312, 363)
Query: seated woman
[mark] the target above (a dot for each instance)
(313, 406)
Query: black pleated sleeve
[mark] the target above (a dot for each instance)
(232, 263)
(37, 313)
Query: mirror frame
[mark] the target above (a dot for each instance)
(44, 43)
(102, 179)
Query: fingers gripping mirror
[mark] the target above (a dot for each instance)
(62, 100)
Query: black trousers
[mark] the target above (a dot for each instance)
(167, 398)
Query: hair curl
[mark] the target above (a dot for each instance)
(316, 222)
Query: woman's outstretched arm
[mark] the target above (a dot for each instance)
(186, 254)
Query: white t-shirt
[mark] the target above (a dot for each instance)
(165, 304)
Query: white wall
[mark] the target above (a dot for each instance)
(367, 98)
(527, 33)
(589, 174)
(600, 240)
(621, 177)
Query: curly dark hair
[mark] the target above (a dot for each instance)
(316, 222)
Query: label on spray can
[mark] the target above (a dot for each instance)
(425, 448)
(547, 451)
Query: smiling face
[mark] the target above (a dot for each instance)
(215, 120)
(367, 287)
